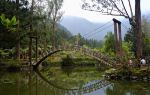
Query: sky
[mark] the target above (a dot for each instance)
(73, 8)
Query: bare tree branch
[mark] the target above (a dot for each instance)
(125, 8)
(110, 7)
(130, 8)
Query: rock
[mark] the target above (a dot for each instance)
(134, 77)
(145, 78)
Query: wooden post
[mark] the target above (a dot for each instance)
(118, 39)
(115, 34)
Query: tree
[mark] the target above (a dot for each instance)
(78, 39)
(54, 15)
(34, 17)
(7, 31)
(7, 7)
(8, 23)
(146, 35)
(130, 36)
(109, 46)
(17, 30)
(19, 9)
(48, 13)
(127, 49)
(118, 8)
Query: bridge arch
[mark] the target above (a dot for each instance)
(96, 55)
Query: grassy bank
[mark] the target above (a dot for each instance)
(9, 65)
(126, 73)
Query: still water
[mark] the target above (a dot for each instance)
(67, 81)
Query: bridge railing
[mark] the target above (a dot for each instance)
(45, 53)
(90, 52)
(101, 57)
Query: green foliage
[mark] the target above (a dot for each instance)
(109, 46)
(127, 46)
(146, 49)
(78, 39)
(67, 61)
(42, 23)
(10, 62)
(130, 37)
(6, 53)
(9, 23)
(146, 35)
(126, 72)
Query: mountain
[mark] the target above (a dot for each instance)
(64, 29)
(87, 29)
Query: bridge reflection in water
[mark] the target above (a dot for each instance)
(39, 82)
(87, 88)
(80, 81)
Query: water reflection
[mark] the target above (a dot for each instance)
(77, 78)
(81, 81)
(128, 88)
(67, 69)
(87, 88)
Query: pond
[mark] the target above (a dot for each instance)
(67, 81)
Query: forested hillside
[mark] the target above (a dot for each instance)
(19, 21)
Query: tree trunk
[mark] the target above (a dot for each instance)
(18, 50)
(30, 51)
(138, 30)
(17, 30)
(53, 35)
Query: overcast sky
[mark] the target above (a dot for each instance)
(73, 8)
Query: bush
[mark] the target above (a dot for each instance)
(6, 53)
(67, 61)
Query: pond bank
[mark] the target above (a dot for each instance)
(133, 74)
(10, 65)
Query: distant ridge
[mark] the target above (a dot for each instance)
(80, 25)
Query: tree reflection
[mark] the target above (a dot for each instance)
(128, 88)
(115, 89)
(67, 69)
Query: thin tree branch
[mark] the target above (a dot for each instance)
(109, 7)
(125, 9)
(115, 15)
(118, 8)
(130, 8)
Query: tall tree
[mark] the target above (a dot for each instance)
(130, 37)
(10, 9)
(54, 15)
(17, 30)
(138, 29)
(146, 35)
(109, 46)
